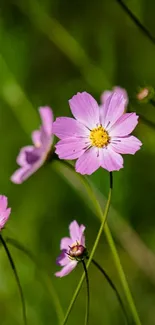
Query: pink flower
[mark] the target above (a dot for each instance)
(4, 211)
(98, 135)
(31, 158)
(73, 249)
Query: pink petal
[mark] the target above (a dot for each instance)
(76, 232)
(3, 203)
(85, 109)
(47, 119)
(71, 148)
(36, 138)
(65, 243)
(124, 125)
(63, 259)
(113, 108)
(89, 162)
(23, 173)
(67, 269)
(110, 160)
(65, 127)
(21, 159)
(105, 95)
(127, 145)
(4, 216)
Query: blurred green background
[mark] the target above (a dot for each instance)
(50, 50)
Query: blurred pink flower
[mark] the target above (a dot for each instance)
(31, 158)
(4, 211)
(73, 249)
(98, 135)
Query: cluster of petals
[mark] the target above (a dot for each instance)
(97, 135)
(32, 157)
(76, 238)
(4, 211)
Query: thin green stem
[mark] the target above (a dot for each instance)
(46, 278)
(111, 243)
(113, 287)
(122, 275)
(144, 30)
(88, 293)
(16, 277)
(104, 217)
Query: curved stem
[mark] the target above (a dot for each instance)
(104, 217)
(46, 277)
(16, 277)
(88, 293)
(113, 287)
(145, 31)
(111, 244)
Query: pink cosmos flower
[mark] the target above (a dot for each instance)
(73, 249)
(31, 158)
(98, 135)
(4, 211)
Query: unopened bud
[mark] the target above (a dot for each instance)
(145, 94)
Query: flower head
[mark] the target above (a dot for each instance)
(98, 135)
(73, 249)
(32, 157)
(4, 211)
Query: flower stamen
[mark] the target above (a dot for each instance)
(99, 137)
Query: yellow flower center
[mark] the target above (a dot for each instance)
(99, 137)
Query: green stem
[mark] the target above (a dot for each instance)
(88, 293)
(122, 275)
(112, 286)
(16, 277)
(46, 278)
(111, 243)
(104, 217)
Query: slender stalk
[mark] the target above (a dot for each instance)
(46, 278)
(111, 243)
(16, 277)
(88, 293)
(145, 31)
(113, 287)
(104, 217)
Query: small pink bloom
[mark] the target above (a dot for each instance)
(72, 248)
(98, 135)
(4, 211)
(31, 158)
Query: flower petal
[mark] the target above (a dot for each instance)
(63, 259)
(124, 125)
(3, 203)
(47, 119)
(36, 138)
(110, 160)
(85, 109)
(71, 148)
(105, 95)
(126, 145)
(4, 216)
(66, 269)
(65, 127)
(76, 232)
(21, 159)
(89, 162)
(113, 107)
(65, 243)
(23, 173)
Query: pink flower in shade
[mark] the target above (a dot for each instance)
(4, 211)
(73, 249)
(98, 135)
(32, 157)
